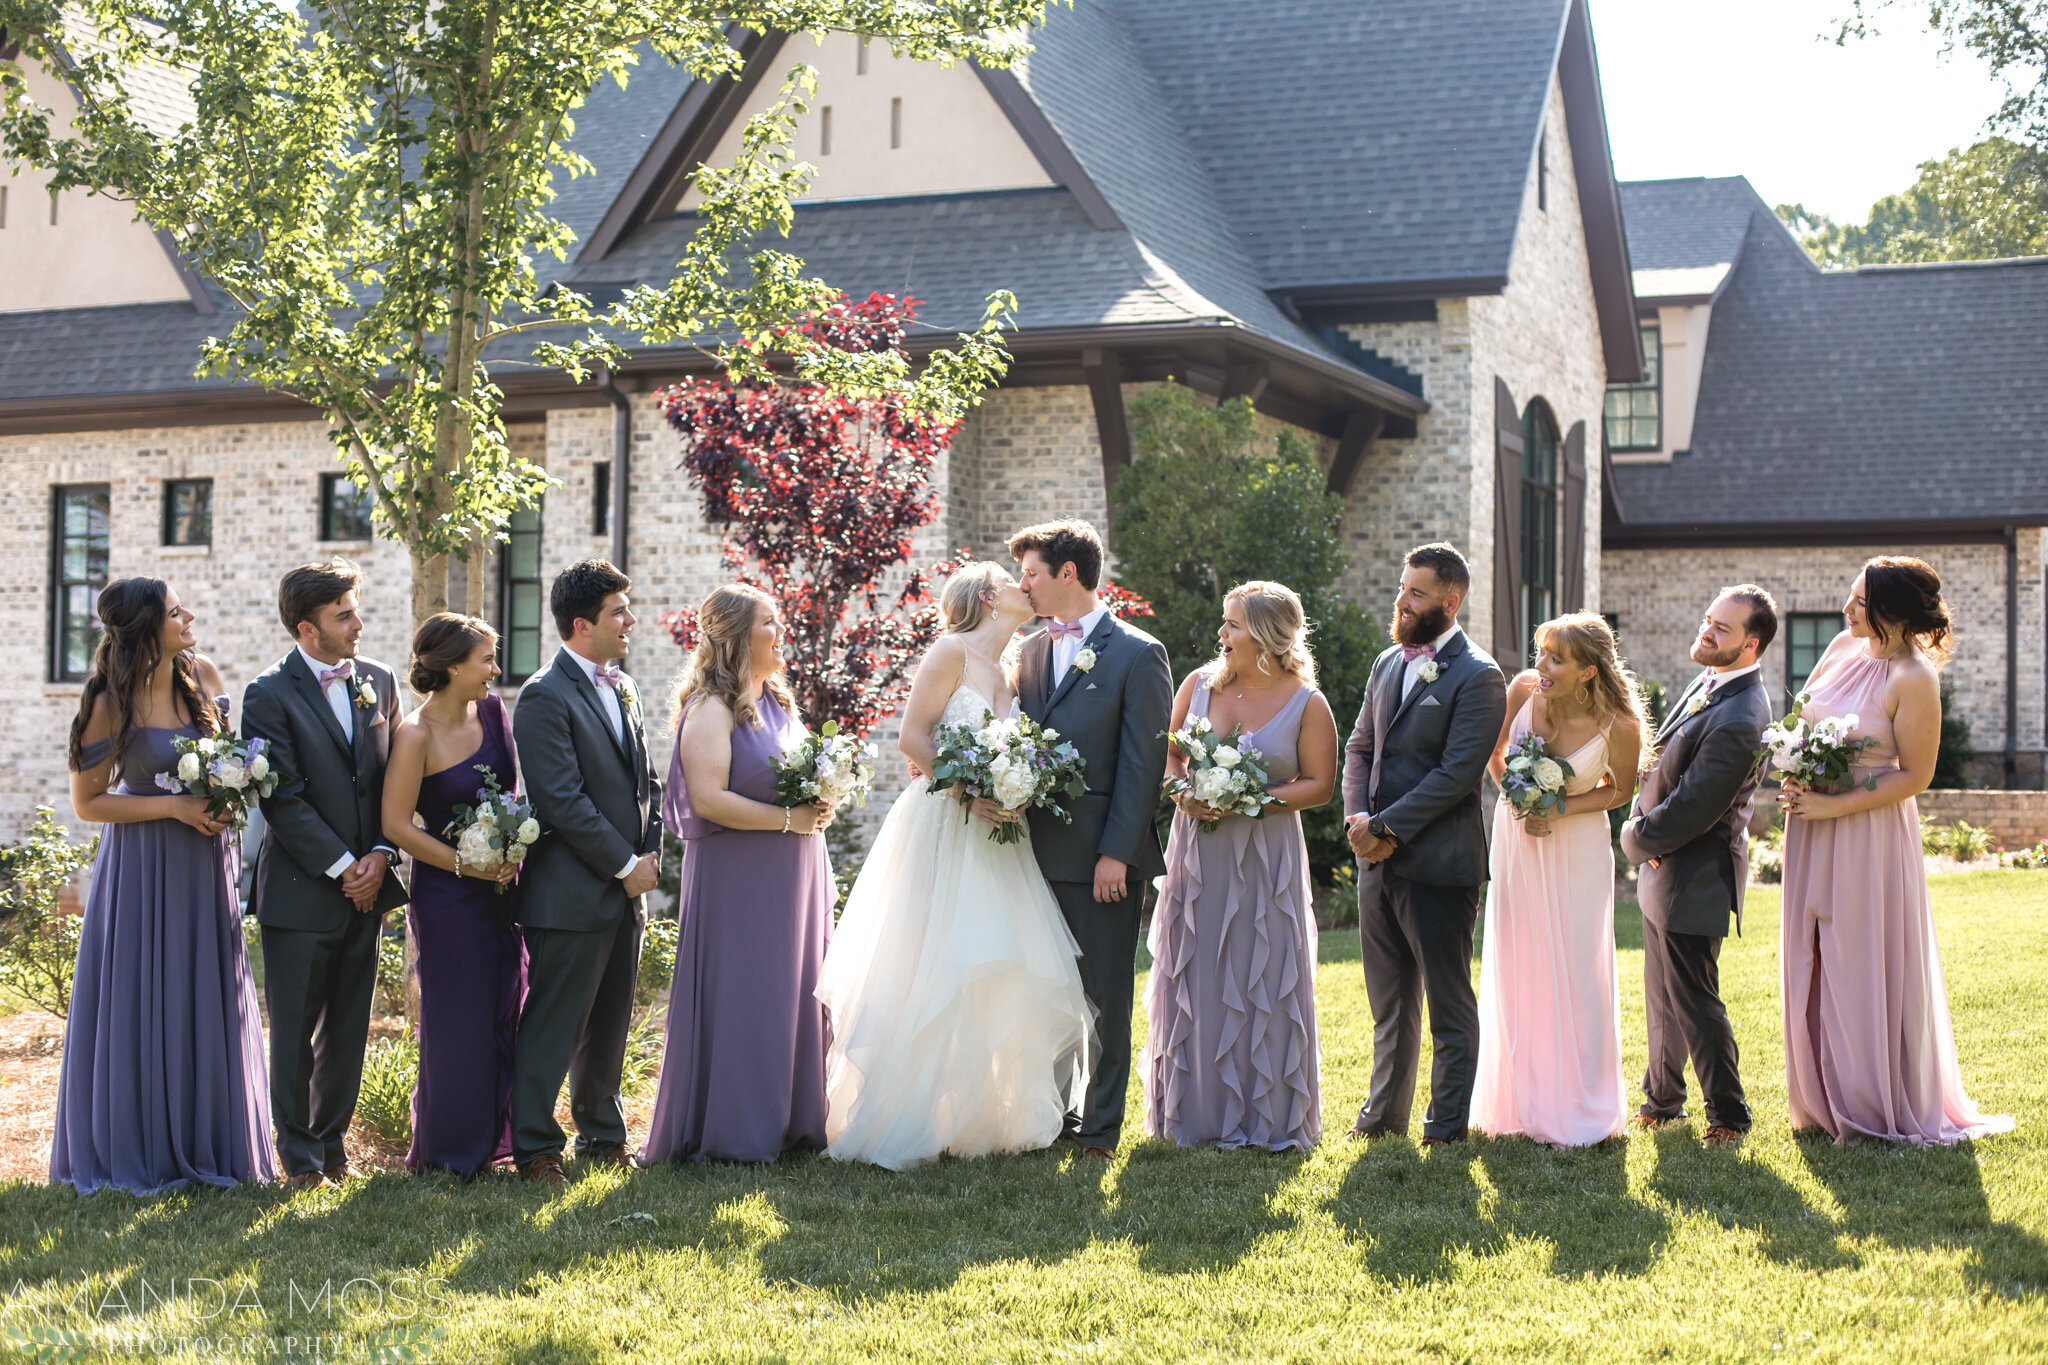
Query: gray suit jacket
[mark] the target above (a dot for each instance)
(330, 805)
(597, 801)
(1692, 812)
(1418, 763)
(1116, 715)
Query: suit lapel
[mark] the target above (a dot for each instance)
(579, 683)
(308, 688)
(1444, 659)
(1097, 638)
(1675, 722)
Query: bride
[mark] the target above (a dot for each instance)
(958, 1020)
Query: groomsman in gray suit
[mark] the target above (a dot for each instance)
(324, 876)
(1688, 832)
(1432, 714)
(584, 763)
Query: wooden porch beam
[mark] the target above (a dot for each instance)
(1112, 427)
(1361, 429)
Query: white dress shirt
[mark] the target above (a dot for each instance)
(341, 701)
(1717, 681)
(1412, 669)
(1066, 647)
(608, 704)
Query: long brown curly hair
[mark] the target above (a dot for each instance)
(719, 668)
(132, 614)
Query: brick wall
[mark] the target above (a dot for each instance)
(2016, 819)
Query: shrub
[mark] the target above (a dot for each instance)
(1766, 861)
(391, 1067)
(1934, 837)
(657, 959)
(390, 991)
(2031, 859)
(1967, 843)
(1952, 760)
(38, 940)
(643, 1051)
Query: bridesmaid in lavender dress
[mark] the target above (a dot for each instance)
(1549, 1063)
(472, 961)
(1232, 1057)
(163, 1082)
(1869, 1050)
(743, 1077)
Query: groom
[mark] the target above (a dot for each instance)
(1106, 688)
(1689, 833)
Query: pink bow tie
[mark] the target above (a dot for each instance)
(1059, 629)
(1413, 652)
(607, 675)
(343, 671)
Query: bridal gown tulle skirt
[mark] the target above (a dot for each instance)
(958, 1020)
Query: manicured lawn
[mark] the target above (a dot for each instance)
(1652, 1248)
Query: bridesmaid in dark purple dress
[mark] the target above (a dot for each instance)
(743, 1078)
(163, 1082)
(472, 963)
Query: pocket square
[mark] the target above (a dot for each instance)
(1089, 688)
(1429, 701)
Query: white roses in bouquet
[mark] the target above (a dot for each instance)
(1534, 782)
(1225, 775)
(225, 769)
(498, 829)
(1015, 763)
(828, 768)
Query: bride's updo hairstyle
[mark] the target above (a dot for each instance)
(718, 667)
(965, 601)
(1902, 595)
(1585, 638)
(1278, 626)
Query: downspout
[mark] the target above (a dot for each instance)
(622, 460)
(2012, 657)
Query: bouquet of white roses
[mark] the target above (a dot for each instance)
(1015, 763)
(229, 771)
(1818, 756)
(825, 768)
(1534, 782)
(498, 829)
(1228, 775)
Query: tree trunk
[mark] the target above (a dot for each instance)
(429, 586)
(474, 597)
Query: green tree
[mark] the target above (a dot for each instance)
(370, 181)
(1207, 505)
(1976, 203)
(2010, 35)
(38, 939)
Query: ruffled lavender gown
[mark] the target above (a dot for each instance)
(472, 966)
(1232, 1058)
(163, 1082)
(743, 1077)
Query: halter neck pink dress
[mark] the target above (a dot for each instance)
(1869, 1050)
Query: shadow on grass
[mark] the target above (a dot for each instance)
(1578, 1201)
(1200, 1210)
(1738, 1192)
(1417, 1212)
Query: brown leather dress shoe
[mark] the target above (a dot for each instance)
(545, 1169)
(1717, 1136)
(340, 1171)
(1095, 1151)
(308, 1180)
(1434, 1142)
(611, 1154)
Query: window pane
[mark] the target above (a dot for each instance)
(525, 606)
(188, 512)
(520, 595)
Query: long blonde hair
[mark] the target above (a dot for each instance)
(1587, 640)
(718, 667)
(1274, 618)
(961, 606)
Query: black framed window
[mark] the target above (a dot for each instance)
(601, 500)
(78, 570)
(344, 509)
(1542, 499)
(188, 512)
(1635, 412)
(520, 605)
(1807, 634)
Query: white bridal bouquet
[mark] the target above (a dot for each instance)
(826, 768)
(1534, 782)
(1819, 755)
(1015, 763)
(229, 771)
(1222, 774)
(498, 829)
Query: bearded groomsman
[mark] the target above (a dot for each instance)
(324, 876)
(1433, 711)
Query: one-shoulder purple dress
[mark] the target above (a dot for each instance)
(472, 966)
(743, 1078)
(163, 1082)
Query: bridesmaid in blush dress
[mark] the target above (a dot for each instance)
(1869, 1049)
(163, 1082)
(472, 961)
(1233, 1058)
(1549, 1001)
(743, 1077)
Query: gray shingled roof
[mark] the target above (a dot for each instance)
(1887, 394)
(1686, 224)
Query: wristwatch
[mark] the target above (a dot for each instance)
(1377, 828)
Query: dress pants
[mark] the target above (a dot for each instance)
(1682, 999)
(318, 985)
(1108, 935)
(1417, 943)
(579, 1011)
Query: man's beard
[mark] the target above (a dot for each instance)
(1423, 627)
(1707, 658)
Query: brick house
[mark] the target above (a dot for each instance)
(1794, 422)
(1424, 268)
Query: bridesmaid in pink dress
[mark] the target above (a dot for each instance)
(1549, 1001)
(1869, 1051)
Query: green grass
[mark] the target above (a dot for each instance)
(1652, 1248)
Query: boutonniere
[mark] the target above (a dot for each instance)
(1085, 660)
(366, 694)
(1429, 671)
(627, 692)
(1697, 704)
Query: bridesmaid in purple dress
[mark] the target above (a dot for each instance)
(1869, 1050)
(1232, 1058)
(472, 962)
(163, 1082)
(743, 1078)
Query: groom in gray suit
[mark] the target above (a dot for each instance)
(584, 762)
(1689, 833)
(1432, 714)
(324, 874)
(1106, 687)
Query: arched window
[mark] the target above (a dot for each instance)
(1542, 485)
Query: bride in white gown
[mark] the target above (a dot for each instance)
(958, 1020)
